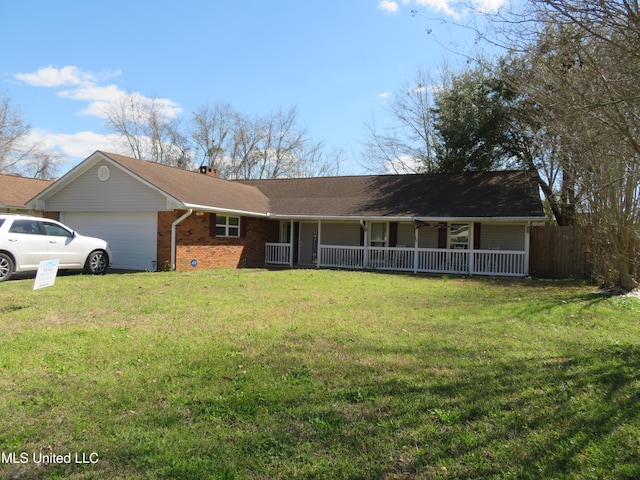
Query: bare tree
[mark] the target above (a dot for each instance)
(408, 145)
(147, 130)
(244, 148)
(236, 145)
(13, 137)
(18, 153)
(280, 146)
(587, 55)
(318, 162)
(212, 134)
(271, 146)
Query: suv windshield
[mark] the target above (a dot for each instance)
(1, 221)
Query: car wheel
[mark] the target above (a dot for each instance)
(97, 263)
(6, 267)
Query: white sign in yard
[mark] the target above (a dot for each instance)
(46, 275)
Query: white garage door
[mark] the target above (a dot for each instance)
(132, 236)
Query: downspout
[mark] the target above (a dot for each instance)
(173, 237)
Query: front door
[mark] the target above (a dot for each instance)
(308, 244)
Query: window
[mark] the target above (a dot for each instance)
(56, 230)
(378, 235)
(30, 227)
(227, 226)
(459, 235)
(285, 232)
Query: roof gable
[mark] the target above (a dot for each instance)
(196, 189)
(182, 188)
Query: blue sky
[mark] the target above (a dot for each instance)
(337, 61)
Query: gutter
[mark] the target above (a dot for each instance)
(173, 237)
(401, 218)
(205, 208)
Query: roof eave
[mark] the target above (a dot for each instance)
(404, 218)
(482, 219)
(211, 209)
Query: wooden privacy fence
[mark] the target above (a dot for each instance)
(559, 252)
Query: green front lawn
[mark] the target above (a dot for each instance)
(317, 374)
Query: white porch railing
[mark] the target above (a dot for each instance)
(439, 260)
(428, 260)
(387, 258)
(499, 262)
(278, 253)
(342, 256)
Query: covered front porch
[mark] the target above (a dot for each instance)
(454, 247)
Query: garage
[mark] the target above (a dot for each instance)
(132, 236)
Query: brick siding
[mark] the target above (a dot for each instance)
(193, 242)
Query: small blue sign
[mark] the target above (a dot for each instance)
(194, 263)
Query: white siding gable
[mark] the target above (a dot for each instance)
(120, 192)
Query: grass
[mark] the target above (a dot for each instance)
(257, 374)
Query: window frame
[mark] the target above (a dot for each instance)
(44, 225)
(457, 244)
(223, 229)
(380, 243)
(24, 221)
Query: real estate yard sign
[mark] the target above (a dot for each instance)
(46, 275)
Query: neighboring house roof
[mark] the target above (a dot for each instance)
(15, 191)
(512, 194)
(507, 194)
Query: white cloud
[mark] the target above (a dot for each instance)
(86, 87)
(403, 165)
(93, 93)
(77, 145)
(57, 77)
(487, 6)
(438, 6)
(455, 8)
(384, 95)
(388, 6)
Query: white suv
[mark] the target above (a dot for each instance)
(25, 241)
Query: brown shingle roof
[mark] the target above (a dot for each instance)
(195, 188)
(467, 195)
(504, 194)
(15, 191)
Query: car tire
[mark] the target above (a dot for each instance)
(6, 267)
(97, 263)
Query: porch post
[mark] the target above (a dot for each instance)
(527, 241)
(471, 244)
(415, 248)
(291, 235)
(366, 243)
(319, 259)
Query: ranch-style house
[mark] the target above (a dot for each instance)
(156, 217)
